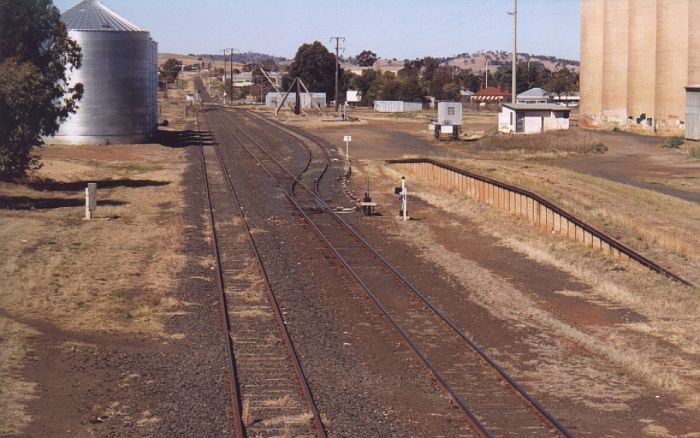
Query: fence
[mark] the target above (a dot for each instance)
(538, 212)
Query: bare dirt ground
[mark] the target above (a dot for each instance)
(643, 162)
(610, 347)
(103, 321)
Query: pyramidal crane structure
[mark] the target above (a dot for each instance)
(119, 75)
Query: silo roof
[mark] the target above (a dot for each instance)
(91, 15)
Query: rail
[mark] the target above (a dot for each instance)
(537, 210)
(473, 420)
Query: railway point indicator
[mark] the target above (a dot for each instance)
(347, 139)
(90, 200)
(402, 193)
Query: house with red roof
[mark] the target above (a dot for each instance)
(489, 98)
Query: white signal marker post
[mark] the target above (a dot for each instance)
(347, 139)
(90, 200)
(404, 200)
(402, 193)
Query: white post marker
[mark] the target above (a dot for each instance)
(90, 200)
(347, 139)
(404, 200)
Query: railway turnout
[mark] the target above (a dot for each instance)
(492, 402)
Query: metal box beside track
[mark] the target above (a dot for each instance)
(450, 113)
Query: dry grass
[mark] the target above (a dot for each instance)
(246, 415)
(111, 272)
(664, 228)
(115, 273)
(287, 420)
(564, 141)
(278, 402)
(14, 391)
(641, 352)
(252, 313)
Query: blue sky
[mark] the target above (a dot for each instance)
(391, 28)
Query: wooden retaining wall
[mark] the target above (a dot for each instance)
(513, 200)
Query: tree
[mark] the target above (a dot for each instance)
(36, 58)
(315, 65)
(450, 91)
(563, 81)
(362, 83)
(411, 91)
(470, 80)
(367, 58)
(170, 70)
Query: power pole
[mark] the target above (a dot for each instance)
(337, 62)
(486, 73)
(514, 91)
(225, 67)
(231, 67)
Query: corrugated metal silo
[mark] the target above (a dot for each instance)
(119, 73)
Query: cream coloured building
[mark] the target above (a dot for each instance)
(637, 57)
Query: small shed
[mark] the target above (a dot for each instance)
(396, 106)
(532, 118)
(273, 99)
(353, 97)
(692, 112)
(450, 113)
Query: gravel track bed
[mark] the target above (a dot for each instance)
(357, 367)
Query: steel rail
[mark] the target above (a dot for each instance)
(506, 377)
(293, 133)
(236, 410)
(473, 420)
(284, 333)
(571, 218)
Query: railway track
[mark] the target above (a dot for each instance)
(269, 392)
(493, 403)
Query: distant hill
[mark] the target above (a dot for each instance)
(477, 61)
(244, 58)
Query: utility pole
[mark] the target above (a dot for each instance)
(337, 62)
(231, 86)
(514, 91)
(225, 67)
(486, 73)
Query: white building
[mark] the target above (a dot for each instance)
(353, 97)
(274, 99)
(538, 95)
(532, 118)
(396, 106)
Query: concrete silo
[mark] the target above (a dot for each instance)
(637, 57)
(119, 73)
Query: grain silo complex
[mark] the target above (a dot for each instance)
(637, 58)
(119, 75)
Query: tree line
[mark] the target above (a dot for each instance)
(419, 78)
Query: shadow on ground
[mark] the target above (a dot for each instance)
(27, 203)
(74, 186)
(183, 139)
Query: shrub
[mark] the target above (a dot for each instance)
(674, 142)
(562, 141)
(695, 152)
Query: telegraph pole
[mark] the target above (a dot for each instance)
(487, 73)
(231, 67)
(514, 91)
(228, 96)
(337, 62)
